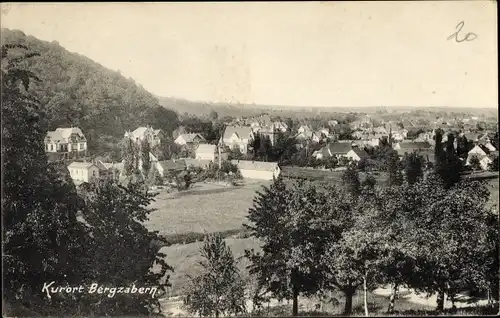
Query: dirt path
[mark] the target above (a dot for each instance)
(411, 296)
(173, 305)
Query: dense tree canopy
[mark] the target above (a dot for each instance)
(52, 233)
(75, 91)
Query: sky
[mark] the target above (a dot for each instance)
(338, 54)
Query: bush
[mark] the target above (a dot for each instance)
(192, 237)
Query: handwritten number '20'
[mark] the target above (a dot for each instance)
(468, 37)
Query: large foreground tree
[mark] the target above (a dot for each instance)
(51, 233)
(42, 240)
(290, 223)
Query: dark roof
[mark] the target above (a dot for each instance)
(339, 147)
(471, 136)
(485, 149)
(101, 165)
(415, 145)
(416, 129)
(360, 152)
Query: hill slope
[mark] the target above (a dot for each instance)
(76, 91)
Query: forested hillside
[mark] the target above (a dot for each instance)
(76, 91)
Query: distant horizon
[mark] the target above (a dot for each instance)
(284, 54)
(298, 106)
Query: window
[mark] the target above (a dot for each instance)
(51, 147)
(93, 173)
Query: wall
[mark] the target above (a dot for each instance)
(90, 173)
(257, 174)
(205, 156)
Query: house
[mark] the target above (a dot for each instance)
(333, 149)
(104, 169)
(206, 152)
(304, 136)
(333, 123)
(280, 126)
(396, 136)
(109, 169)
(317, 136)
(257, 169)
(83, 171)
(404, 133)
(482, 153)
(479, 150)
(179, 131)
(255, 126)
(236, 137)
(358, 134)
(325, 131)
(484, 160)
(69, 142)
(304, 129)
(189, 139)
(380, 130)
(153, 136)
(487, 144)
(171, 166)
(423, 136)
(356, 154)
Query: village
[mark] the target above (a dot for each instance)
(321, 146)
(250, 160)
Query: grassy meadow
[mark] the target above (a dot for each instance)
(204, 208)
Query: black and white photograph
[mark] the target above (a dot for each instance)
(250, 159)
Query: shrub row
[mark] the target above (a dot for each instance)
(192, 237)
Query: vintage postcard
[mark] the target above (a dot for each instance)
(220, 159)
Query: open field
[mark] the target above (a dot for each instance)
(208, 208)
(204, 208)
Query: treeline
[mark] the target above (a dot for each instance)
(423, 234)
(53, 232)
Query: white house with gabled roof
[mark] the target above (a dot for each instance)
(153, 136)
(257, 169)
(67, 141)
(83, 171)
